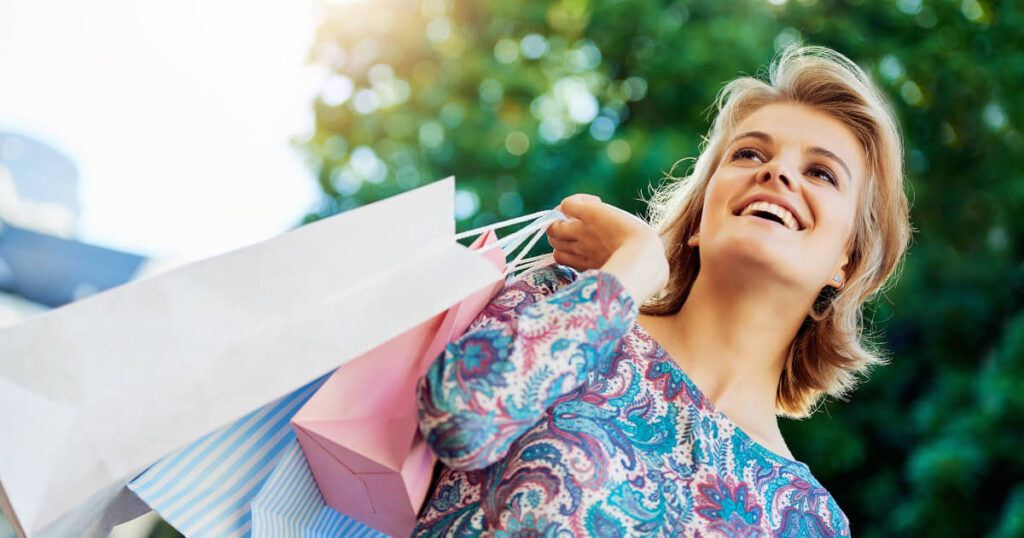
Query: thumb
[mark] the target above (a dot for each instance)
(575, 201)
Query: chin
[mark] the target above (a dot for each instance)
(752, 259)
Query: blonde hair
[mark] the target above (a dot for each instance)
(830, 350)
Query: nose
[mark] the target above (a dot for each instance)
(774, 170)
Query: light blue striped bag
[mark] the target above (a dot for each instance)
(205, 489)
(290, 506)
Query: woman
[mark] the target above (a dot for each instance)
(633, 389)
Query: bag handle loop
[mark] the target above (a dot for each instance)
(529, 234)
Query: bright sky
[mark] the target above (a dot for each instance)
(177, 114)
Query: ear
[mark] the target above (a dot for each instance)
(838, 277)
(694, 240)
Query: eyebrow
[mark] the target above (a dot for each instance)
(815, 150)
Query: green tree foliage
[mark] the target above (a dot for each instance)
(527, 102)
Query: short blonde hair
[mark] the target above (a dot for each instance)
(830, 350)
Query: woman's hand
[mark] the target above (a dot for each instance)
(601, 236)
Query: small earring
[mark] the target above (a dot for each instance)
(837, 279)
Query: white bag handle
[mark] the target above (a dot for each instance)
(529, 234)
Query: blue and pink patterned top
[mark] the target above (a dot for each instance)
(557, 415)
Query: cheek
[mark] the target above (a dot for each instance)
(714, 202)
(837, 228)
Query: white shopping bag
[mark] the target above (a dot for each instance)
(93, 392)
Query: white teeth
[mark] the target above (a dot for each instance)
(774, 209)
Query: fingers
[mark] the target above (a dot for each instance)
(560, 244)
(565, 230)
(571, 259)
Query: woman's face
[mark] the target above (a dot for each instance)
(783, 201)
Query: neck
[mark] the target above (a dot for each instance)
(733, 340)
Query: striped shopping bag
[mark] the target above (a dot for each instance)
(206, 488)
(290, 506)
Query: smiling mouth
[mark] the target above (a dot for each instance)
(772, 212)
(769, 216)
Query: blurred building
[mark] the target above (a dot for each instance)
(42, 266)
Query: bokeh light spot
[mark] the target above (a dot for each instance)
(583, 107)
(402, 90)
(676, 16)
(330, 54)
(579, 103)
(467, 203)
(408, 177)
(367, 165)
(366, 102)
(998, 239)
(506, 51)
(890, 67)
(337, 89)
(452, 115)
(553, 129)
(335, 147)
(431, 134)
(910, 7)
(380, 74)
(344, 181)
(491, 91)
(972, 10)
(917, 161)
(947, 134)
(911, 93)
(994, 116)
(785, 38)
(365, 52)
(584, 56)
(510, 204)
(517, 143)
(927, 17)
(634, 88)
(602, 129)
(438, 30)
(543, 107)
(534, 46)
(619, 151)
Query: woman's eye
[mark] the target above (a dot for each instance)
(825, 174)
(747, 153)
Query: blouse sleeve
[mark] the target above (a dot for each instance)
(535, 342)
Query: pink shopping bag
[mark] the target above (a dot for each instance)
(359, 431)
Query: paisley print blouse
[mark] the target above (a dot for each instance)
(557, 415)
